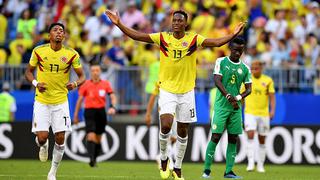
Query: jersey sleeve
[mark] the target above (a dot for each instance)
(155, 38)
(33, 60)
(217, 67)
(271, 87)
(76, 62)
(200, 40)
(109, 89)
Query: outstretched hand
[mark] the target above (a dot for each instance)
(113, 16)
(239, 28)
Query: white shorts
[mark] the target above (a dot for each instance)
(56, 116)
(257, 123)
(182, 106)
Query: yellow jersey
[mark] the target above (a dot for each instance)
(177, 60)
(257, 103)
(53, 68)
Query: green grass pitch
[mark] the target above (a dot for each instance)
(34, 170)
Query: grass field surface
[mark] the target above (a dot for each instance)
(36, 170)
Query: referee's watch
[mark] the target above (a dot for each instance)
(112, 106)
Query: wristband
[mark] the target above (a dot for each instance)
(34, 83)
(238, 97)
(75, 83)
(228, 96)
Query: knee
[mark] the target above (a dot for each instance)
(165, 129)
(215, 137)
(91, 136)
(59, 138)
(232, 138)
(42, 138)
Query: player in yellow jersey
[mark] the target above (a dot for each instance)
(53, 62)
(177, 80)
(258, 114)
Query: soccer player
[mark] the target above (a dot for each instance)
(53, 62)
(257, 114)
(177, 80)
(229, 73)
(94, 92)
(173, 137)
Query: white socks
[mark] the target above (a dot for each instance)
(181, 146)
(163, 143)
(262, 155)
(250, 152)
(57, 155)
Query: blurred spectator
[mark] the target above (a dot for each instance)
(203, 23)
(280, 55)
(132, 15)
(316, 31)
(278, 25)
(300, 32)
(27, 25)
(96, 26)
(266, 56)
(7, 104)
(312, 15)
(18, 48)
(74, 19)
(3, 28)
(3, 56)
(116, 55)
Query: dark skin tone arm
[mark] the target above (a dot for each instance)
(139, 36)
(42, 86)
(231, 99)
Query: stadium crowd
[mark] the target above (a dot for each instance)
(281, 33)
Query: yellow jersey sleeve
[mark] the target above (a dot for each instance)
(33, 60)
(271, 87)
(200, 40)
(155, 38)
(76, 62)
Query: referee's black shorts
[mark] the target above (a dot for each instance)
(96, 120)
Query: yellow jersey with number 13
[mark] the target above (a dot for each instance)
(177, 60)
(53, 68)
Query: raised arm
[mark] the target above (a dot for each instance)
(217, 42)
(139, 36)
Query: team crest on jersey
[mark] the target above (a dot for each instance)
(239, 71)
(185, 44)
(64, 59)
(214, 126)
(263, 84)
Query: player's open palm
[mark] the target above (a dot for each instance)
(239, 28)
(113, 16)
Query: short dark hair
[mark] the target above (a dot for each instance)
(183, 13)
(238, 40)
(55, 24)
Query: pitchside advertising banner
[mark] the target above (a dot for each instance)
(294, 145)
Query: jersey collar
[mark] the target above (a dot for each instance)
(234, 62)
